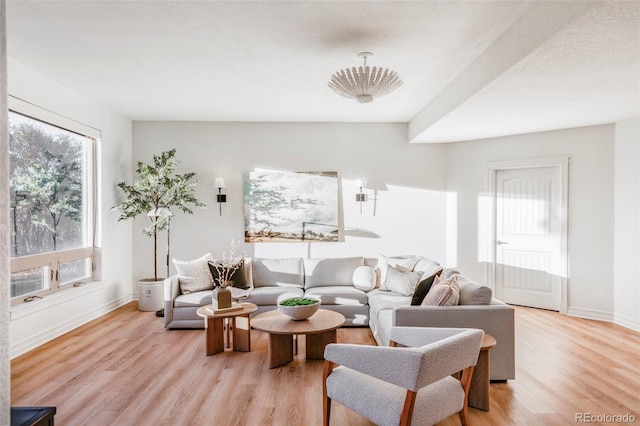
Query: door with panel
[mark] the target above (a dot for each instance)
(529, 266)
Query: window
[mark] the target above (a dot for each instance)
(52, 196)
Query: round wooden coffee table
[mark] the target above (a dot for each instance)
(319, 329)
(238, 321)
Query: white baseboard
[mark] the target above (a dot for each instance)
(590, 314)
(22, 346)
(625, 321)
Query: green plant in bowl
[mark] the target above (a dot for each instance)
(299, 308)
(297, 301)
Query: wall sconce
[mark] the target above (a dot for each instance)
(361, 197)
(222, 198)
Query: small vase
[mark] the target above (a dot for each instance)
(221, 298)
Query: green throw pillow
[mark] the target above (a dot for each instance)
(238, 279)
(423, 288)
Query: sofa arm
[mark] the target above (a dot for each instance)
(496, 319)
(171, 291)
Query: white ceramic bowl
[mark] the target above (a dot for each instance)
(299, 312)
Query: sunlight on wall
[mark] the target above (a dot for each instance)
(485, 239)
(452, 229)
(407, 220)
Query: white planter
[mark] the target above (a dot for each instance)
(150, 294)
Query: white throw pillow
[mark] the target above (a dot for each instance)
(364, 278)
(193, 275)
(401, 281)
(428, 267)
(405, 262)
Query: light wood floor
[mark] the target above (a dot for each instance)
(126, 369)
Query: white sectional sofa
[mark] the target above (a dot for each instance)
(331, 280)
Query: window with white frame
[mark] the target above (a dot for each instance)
(52, 193)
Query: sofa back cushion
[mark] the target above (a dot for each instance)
(472, 293)
(331, 271)
(287, 272)
(427, 266)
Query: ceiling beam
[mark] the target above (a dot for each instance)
(537, 25)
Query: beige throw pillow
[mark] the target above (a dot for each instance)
(443, 292)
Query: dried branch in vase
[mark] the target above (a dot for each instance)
(227, 265)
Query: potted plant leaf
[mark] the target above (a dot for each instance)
(155, 193)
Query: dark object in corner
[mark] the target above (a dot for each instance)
(160, 313)
(32, 416)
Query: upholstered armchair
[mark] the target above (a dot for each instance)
(411, 383)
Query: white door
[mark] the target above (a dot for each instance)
(530, 217)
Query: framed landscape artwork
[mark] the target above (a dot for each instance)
(282, 206)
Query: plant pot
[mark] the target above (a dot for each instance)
(298, 312)
(150, 294)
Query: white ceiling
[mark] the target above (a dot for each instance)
(471, 69)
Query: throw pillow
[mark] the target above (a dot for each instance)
(401, 281)
(407, 262)
(193, 275)
(364, 278)
(427, 266)
(423, 288)
(443, 293)
(238, 279)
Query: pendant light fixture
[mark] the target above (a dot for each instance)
(364, 83)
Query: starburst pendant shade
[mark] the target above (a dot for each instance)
(364, 83)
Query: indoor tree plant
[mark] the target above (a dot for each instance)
(157, 187)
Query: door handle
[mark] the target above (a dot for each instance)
(499, 242)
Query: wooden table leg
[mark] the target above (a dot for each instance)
(280, 349)
(479, 391)
(242, 334)
(214, 336)
(316, 343)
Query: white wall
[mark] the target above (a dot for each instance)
(37, 322)
(590, 284)
(627, 224)
(410, 215)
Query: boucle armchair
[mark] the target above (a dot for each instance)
(403, 385)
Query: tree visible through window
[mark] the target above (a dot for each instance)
(50, 205)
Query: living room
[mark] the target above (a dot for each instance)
(432, 198)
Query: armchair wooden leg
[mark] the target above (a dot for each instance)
(467, 373)
(326, 401)
(407, 410)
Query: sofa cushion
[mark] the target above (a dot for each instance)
(423, 288)
(443, 292)
(193, 275)
(278, 272)
(338, 295)
(472, 293)
(407, 262)
(380, 300)
(194, 299)
(428, 267)
(364, 278)
(238, 278)
(264, 296)
(401, 281)
(331, 271)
